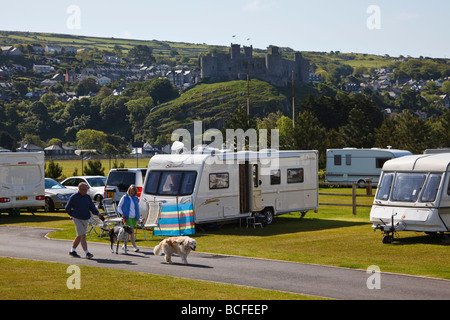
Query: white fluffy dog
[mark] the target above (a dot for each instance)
(178, 245)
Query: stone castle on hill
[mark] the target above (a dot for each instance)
(235, 65)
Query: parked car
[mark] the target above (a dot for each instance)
(96, 186)
(119, 180)
(56, 195)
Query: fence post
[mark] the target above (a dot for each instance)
(368, 186)
(354, 198)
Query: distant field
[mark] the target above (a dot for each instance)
(69, 166)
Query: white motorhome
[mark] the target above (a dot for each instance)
(227, 186)
(355, 165)
(413, 195)
(22, 180)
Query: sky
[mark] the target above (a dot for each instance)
(396, 27)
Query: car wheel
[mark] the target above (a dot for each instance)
(49, 205)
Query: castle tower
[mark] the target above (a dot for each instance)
(235, 51)
(248, 52)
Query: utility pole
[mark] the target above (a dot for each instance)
(248, 95)
(293, 101)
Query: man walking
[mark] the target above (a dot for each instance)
(79, 207)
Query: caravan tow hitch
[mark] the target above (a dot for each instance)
(388, 230)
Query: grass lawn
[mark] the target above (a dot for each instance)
(30, 280)
(69, 166)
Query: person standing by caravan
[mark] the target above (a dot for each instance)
(79, 207)
(129, 209)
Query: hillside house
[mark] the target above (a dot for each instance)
(38, 49)
(11, 51)
(53, 49)
(58, 150)
(43, 68)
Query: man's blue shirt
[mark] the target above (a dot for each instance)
(80, 206)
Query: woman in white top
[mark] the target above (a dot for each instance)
(129, 208)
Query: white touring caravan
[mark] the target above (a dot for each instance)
(233, 185)
(413, 195)
(355, 165)
(22, 180)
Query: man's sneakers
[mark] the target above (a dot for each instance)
(76, 255)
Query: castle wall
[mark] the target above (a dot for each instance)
(235, 65)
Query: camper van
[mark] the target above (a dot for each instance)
(233, 185)
(356, 165)
(22, 180)
(413, 195)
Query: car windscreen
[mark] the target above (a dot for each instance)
(171, 183)
(431, 188)
(52, 184)
(407, 186)
(96, 182)
(384, 188)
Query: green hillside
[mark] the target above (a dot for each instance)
(160, 47)
(213, 103)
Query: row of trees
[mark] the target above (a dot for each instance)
(120, 118)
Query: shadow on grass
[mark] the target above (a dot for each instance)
(281, 225)
(421, 238)
(38, 217)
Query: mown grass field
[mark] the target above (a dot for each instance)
(333, 236)
(69, 166)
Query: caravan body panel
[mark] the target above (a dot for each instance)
(415, 191)
(22, 183)
(234, 185)
(355, 165)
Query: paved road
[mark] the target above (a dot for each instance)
(323, 281)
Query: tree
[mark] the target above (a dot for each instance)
(94, 168)
(53, 170)
(91, 139)
(385, 134)
(309, 134)
(7, 141)
(161, 90)
(412, 133)
(142, 54)
(446, 87)
(357, 133)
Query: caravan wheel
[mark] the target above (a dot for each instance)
(268, 215)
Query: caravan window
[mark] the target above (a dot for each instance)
(275, 176)
(337, 160)
(219, 180)
(379, 162)
(385, 186)
(407, 186)
(295, 175)
(21, 174)
(348, 159)
(431, 188)
(172, 183)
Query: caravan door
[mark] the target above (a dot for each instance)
(250, 187)
(255, 187)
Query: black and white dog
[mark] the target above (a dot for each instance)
(117, 234)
